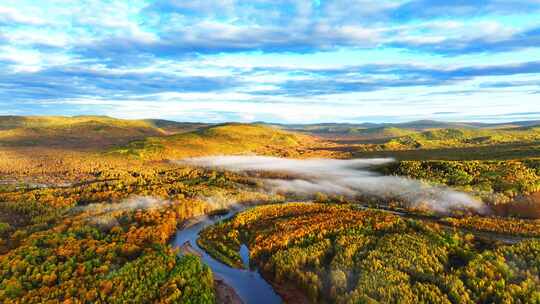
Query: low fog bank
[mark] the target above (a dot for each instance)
(209, 219)
(132, 203)
(103, 214)
(219, 201)
(350, 178)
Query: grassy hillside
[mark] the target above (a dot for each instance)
(173, 127)
(418, 125)
(446, 138)
(374, 132)
(508, 141)
(351, 134)
(407, 135)
(385, 132)
(14, 122)
(342, 129)
(80, 131)
(219, 140)
(488, 152)
(58, 150)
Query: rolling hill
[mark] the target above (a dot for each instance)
(81, 131)
(418, 125)
(174, 127)
(446, 138)
(233, 138)
(385, 132)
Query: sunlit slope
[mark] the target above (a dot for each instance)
(174, 127)
(446, 138)
(80, 131)
(385, 132)
(376, 132)
(220, 140)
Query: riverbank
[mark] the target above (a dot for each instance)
(225, 294)
(287, 291)
(233, 285)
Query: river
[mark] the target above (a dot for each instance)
(248, 284)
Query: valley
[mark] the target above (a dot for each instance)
(268, 152)
(98, 210)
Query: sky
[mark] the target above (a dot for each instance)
(287, 61)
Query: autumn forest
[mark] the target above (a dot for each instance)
(91, 209)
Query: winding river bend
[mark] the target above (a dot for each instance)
(248, 284)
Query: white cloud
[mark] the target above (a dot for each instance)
(10, 15)
(344, 177)
(40, 37)
(254, 59)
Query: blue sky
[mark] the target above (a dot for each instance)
(272, 60)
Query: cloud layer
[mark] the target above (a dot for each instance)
(78, 57)
(344, 177)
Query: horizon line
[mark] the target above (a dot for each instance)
(379, 123)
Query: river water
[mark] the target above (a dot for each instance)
(248, 284)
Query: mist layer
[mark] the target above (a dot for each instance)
(351, 178)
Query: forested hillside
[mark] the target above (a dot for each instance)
(445, 138)
(107, 241)
(337, 254)
(88, 207)
(80, 131)
(222, 140)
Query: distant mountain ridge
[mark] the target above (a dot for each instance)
(103, 131)
(11, 121)
(418, 125)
